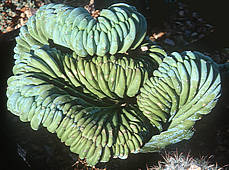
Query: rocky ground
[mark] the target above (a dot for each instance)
(182, 27)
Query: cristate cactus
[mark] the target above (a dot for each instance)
(102, 88)
(115, 30)
(183, 88)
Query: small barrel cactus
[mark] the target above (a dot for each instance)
(184, 162)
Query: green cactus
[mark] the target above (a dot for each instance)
(102, 88)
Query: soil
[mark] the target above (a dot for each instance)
(177, 26)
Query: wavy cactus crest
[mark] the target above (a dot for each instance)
(99, 91)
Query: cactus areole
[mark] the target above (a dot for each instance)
(89, 81)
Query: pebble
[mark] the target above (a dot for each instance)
(187, 32)
(194, 34)
(195, 15)
(189, 23)
(180, 40)
(169, 42)
(201, 36)
(181, 13)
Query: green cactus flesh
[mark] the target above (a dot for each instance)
(102, 88)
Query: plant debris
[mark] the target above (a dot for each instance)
(15, 13)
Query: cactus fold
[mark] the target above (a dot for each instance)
(102, 87)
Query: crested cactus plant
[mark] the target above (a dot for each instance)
(102, 88)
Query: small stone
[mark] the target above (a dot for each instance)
(208, 25)
(194, 14)
(169, 42)
(226, 50)
(187, 33)
(194, 34)
(189, 23)
(201, 36)
(144, 48)
(180, 5)
(178, 23)
(181, 13)
(180, 40)
(200, 19)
